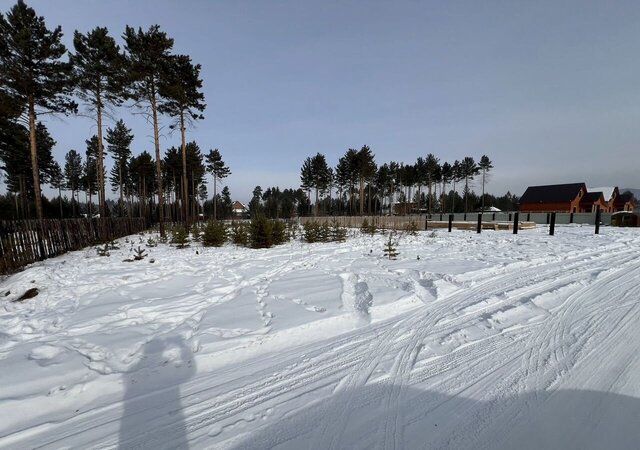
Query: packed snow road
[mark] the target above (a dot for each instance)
(484, 341)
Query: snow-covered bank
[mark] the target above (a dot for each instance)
(489, 341)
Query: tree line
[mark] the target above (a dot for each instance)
(428, 185)
(39, 76)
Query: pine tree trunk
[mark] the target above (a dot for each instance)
(466, 194)
(101, 193)
(361, 196)
(156, 138)
(316, 206)
(60, 200)
(215, 201)
(34, 158)
(120, 183)
(185, 188)
(482, 190)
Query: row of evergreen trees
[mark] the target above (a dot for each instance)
(358, 179)
(39, 76)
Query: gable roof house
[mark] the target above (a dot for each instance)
(592, 201)
(239, 209)
(625, 202)
(610, 196)
(553, 198)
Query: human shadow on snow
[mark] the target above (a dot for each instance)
(153, 415)
(383, 416)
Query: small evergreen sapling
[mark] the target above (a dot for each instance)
(139, 254)
(279, 233)
(239, 234)
(411, 228)
(180, 237)
(337, 232)
(390, 249)
(214, 235)
(103, 251)
(368, 228)
(311, 232)
(261, 232)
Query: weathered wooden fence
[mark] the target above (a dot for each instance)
(25, 241)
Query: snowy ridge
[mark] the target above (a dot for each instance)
(487, 341)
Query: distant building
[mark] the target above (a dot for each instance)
(610, 196)
(238, 209)
(553, 197)
(625, 202)
(592, 201)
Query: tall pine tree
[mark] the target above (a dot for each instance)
(99, 71)
(33, 75)
(73, 175)
(119, 140)
(485, 165)
(148, 61)
(216, 167)
(182, 100)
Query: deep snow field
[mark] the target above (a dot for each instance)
(487, 341)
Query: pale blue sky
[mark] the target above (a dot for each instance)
(548, 89)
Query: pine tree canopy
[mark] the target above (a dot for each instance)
(98, 67)
(30, 65)
(180, 89)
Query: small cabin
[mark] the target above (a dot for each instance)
(624, 219)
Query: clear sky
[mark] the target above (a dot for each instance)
(549, 90)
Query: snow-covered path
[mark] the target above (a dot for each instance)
(486, 341)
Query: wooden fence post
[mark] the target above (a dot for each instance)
(479, 227)
(552, 224)
(450, 222)
(515, 222)
(598, 220)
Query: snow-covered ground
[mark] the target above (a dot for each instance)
(485, 341)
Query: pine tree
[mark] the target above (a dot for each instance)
(320, 177)
(73, 167)
(17, 163)
(180, 237)
(432, 166)
(390, 250)
(365, 169)
(279, 232)
(239, 234)
(180, 89)
(226, 202)
(338, 233)
(217, 168)
(32, 75)
(57, 182)
(148, 60)
(261, 232)
(215, 234)
(468, 169)
(99, 69)
(90, 176)
(485, 166)
(306, 176)
(119, 140)
(255, 205)
(142, 170)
